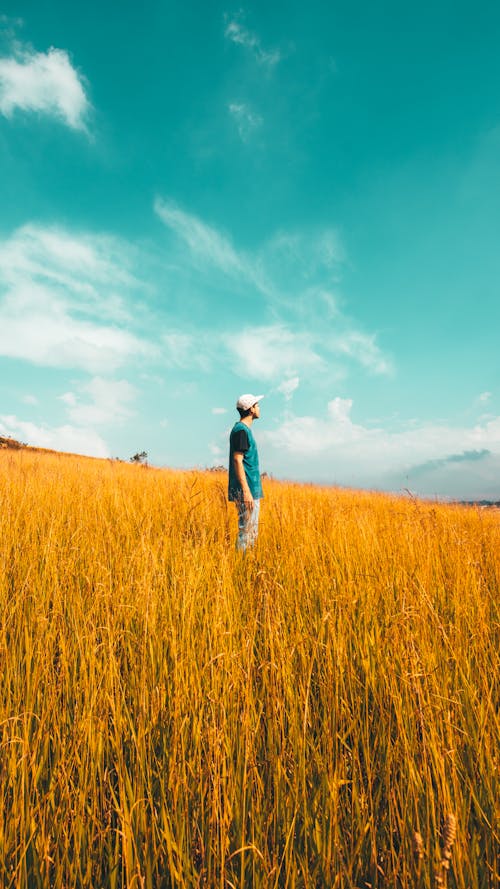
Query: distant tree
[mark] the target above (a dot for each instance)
(140, 457)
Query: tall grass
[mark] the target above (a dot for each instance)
(174, 715)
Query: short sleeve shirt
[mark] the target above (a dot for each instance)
(241, 441)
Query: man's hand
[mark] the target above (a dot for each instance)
(248, 501)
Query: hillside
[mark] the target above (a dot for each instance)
(7, 442)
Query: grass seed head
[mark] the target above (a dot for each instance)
(449, 834)
(418, 845)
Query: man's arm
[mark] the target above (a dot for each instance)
(240, 475)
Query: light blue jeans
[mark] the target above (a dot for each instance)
(248, 525)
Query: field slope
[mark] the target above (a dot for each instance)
(173, 715)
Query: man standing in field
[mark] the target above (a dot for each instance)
(245, 487)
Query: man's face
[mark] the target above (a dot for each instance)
(256, 411)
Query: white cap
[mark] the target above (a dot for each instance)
(245, 402)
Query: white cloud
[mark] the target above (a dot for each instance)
(363, 348)
(92, 267)
(330, 249)
(339, 410)
(109, 402)
(247, 121)
(269, 352)
(236, 32)
(429, 457)
(62, 300)
(68, 438)
(46, 83)
(43, 333)
(218, 455)
(186, 350)
(288, 387)
(307, 252)
(29, 399)
(219, 410)
(484, 397)
(68, 398)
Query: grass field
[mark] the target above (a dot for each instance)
(173, 715)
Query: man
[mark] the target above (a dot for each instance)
(245, 487)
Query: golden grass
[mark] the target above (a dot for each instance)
(173, 715)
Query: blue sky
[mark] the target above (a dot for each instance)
(205, 199)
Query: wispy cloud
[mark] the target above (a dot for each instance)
(294, 256)
(363, 348)
(62, 300)
(46, 83)
(288, 387)
(9, 26)
(184, 350)
(236, 32)
(308, 257)
(265, 353)
(246, 120)
(298, 258)
(211, 247)
(284, 279)
(100, 402)
(203, 240)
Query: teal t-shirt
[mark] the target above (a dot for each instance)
(242, 440)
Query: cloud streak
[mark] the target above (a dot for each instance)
(246, 120)
(237, 33)
(210, 247)
(203, 240)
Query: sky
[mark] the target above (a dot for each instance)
(200, 200)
